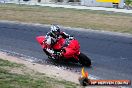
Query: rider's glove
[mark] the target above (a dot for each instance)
(71, 37)
(57, 53)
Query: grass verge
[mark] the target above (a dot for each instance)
(98, 20)
(9, 64)
(29, 78)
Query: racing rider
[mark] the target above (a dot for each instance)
(51, 38)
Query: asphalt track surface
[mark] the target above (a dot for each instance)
(111, 54)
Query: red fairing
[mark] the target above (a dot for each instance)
(40, 40)
(72, 50)
(59, 44)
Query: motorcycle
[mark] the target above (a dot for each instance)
(69, 50)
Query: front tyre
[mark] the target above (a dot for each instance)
(84, 60)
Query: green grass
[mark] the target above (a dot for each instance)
(9, 64)
(10, 80)
(30, 80)
(97, 20)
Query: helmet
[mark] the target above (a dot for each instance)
(55, 30)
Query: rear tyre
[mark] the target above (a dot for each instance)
(84, 60)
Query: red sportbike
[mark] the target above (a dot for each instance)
(69, 50)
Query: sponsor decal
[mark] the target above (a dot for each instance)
(85, 81)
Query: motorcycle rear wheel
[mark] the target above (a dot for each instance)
(84, 60)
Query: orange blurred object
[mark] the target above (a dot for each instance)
(84, 74)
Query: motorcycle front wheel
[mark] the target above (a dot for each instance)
(84, 60)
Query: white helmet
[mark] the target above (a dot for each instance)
(55, 29)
